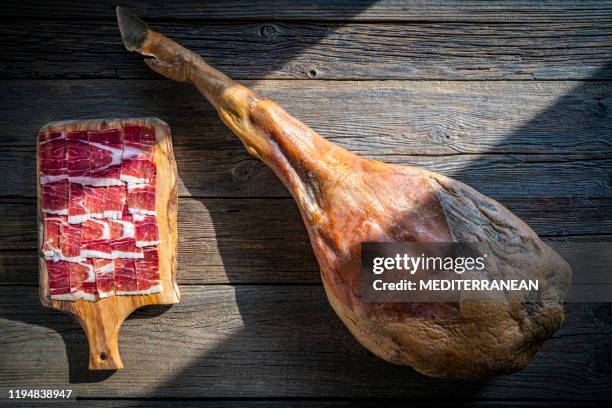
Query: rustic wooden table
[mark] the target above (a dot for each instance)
(512, 97)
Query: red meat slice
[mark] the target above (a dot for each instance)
(70, 242)
(114, 201)
(125, 248)
(105, 277)
(94, 200)
(55, 197)
(137, 163)
(52, 155)
(125, 277)
(120, 229)
(146, 230)
(141, 198)
(105, 151)
(77, 157)
(77, 205)
(51, 236)
(95, 239)
(83, 280)
(147, 272)
(58, 273)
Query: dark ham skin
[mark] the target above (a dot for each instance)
(345, 200)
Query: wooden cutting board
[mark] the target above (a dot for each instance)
(102, 319)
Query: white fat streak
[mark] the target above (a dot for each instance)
(106, 269)
(78, 219)
(126, 292)
(152, 289)
(97, 215)
(80, 179)
(128, 229)
(113, 215)
(58, 256)
(76, 294)
(50, 179)
(57, 212)
(140, 211)
(127, 255)
(141, 244)
(105, 294)
(64, 296)
(133, 180)
(92, 253)
(130, 151)
(89, 297)
(105, 182)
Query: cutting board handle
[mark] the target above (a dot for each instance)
(103, 339)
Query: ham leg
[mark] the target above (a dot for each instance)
(345, 200)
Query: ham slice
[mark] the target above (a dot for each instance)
(58, 273)
(137, 166)
(147, 272)
(83, 280)
(77, 204)
(115, 201)
(55, 197)
(141, 198)
(70, 242)
(105, 277)
(125, 248)
(52, 153)
(146, 230)
(51, 236)
(94, 200)
(125, 277)
(123, 228)
(77, 157)
(105, 151)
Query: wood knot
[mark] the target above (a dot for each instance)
(245, 171)
(439, 135)
(269, 31)
(313, 73)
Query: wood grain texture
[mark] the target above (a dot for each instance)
(281, 341)
(101, 320)
(264, 241)
(357, 10)
(538, 139)
(275, 50)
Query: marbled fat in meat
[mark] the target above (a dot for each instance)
(106, 149)
(52, 157)
(55, 197)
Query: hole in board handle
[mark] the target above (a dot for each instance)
(103, 356)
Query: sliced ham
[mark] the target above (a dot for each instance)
(94, 200)
(51, 236)
(105, 277)
(125, 277)
(137, 166)
(77, 204)
(83, 280)
(123, 228)
(147, 272)
(105, 150)
(55, 197)
(70, 242)
(58, 273)
(52, 153)
(115, 201)
(146, 230)
(77, 157)
(141, 198)
(125, 248)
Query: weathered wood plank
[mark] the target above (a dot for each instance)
(43, 49)
(264, 241)
(272, 341)
(534, 122)
(382, 117)
(357, 10)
